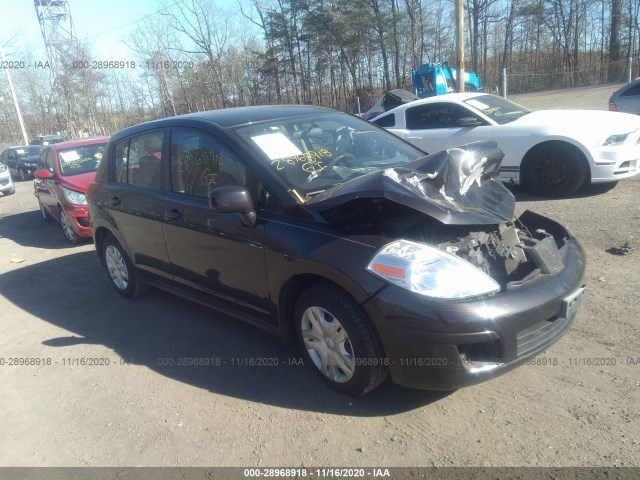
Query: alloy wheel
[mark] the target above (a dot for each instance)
(66, 226)
(117, 267)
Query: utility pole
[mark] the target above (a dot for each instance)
(15, 99)
(460, 44)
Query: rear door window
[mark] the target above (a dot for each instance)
(138, 160)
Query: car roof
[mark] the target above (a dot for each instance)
(26, 146)
(78, 143)
(232, 117)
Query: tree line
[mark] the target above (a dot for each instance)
(196, 55)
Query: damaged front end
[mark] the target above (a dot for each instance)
(471, 292)
(453, 201)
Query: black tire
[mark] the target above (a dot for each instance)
(22, 174)
(554, 171)
(120, 270)
(10, 192)
(351, 341)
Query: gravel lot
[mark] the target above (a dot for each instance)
(576, 405)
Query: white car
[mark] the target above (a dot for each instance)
(6, 183)
(551, 152)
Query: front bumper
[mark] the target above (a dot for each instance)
(615, 163)
(445, 345)
(79, 219)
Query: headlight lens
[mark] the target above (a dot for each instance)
(615, 140)
(430, 271)
(74, 197)
(3, 167)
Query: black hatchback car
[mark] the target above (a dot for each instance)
(314, 223)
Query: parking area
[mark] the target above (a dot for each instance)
(91, 379)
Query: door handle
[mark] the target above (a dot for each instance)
(115, 201)
(172, 215)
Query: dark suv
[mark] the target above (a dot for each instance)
(313, 223)
(47, 140)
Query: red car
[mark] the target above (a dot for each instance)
(61, 178)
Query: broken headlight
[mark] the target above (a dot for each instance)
(73, 197)
(430, 271)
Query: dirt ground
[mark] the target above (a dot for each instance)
(576, 405)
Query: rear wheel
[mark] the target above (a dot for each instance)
(22, 173)
(339, 341)
(67, 229)
(120, 270)
(554, 171)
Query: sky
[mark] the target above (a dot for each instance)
(104, 24)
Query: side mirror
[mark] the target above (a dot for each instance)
(233, 199)
(468, 122)
(43, 174)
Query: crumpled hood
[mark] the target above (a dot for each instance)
(457, 186)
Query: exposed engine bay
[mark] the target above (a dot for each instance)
(510, 253)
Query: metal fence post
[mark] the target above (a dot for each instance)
(504, 82)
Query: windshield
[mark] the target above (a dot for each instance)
(313, 153)
(83, 159)
(22, 152)
(497, 108)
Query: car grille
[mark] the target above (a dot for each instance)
(4, 181)
(537, 335)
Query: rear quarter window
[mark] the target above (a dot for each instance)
(631, 91)
(386, 121)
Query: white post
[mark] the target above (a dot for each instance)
(504, 82)
(460, 45)
(15, 99)
(630, 70)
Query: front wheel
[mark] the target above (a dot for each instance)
(11, 191)
(120, 270)
(339, 341)
(67, 229)
(22, 173)
(554, 171)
